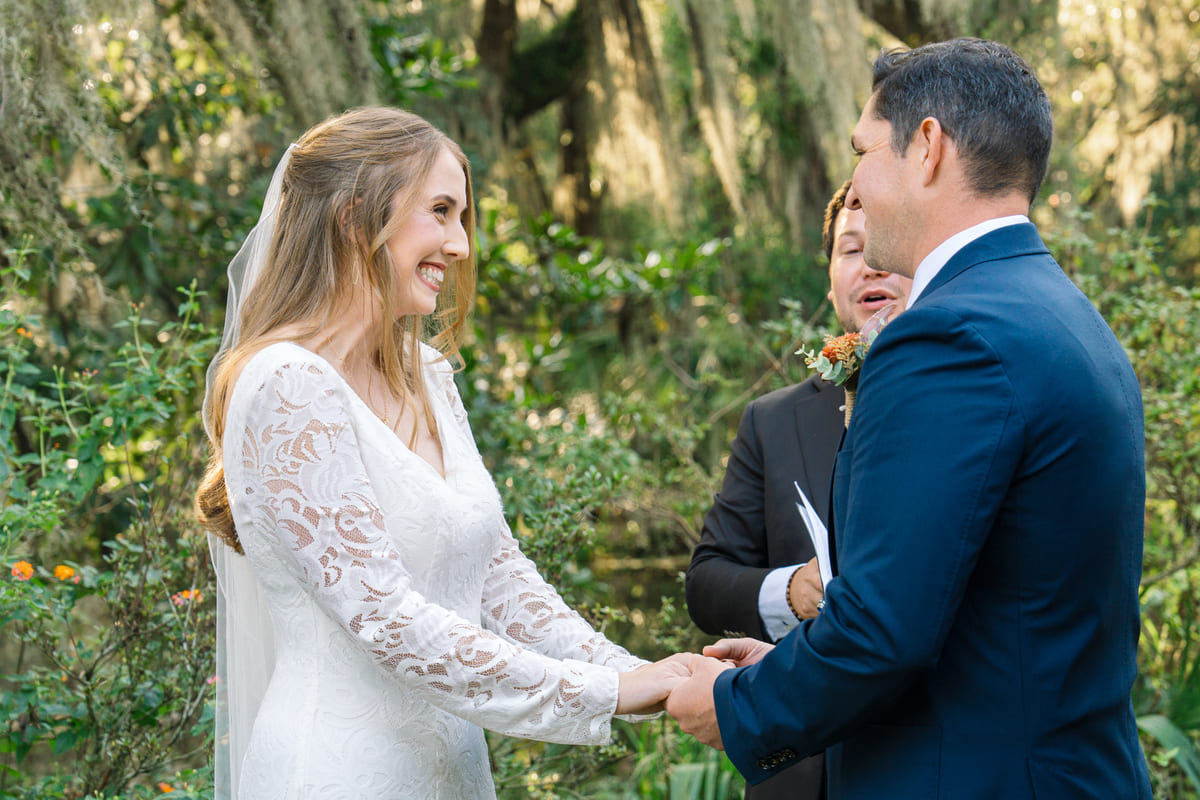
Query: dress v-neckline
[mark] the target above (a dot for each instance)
(444, 478)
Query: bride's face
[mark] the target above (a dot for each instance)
(431, 238)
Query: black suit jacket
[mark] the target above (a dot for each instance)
(790, 435)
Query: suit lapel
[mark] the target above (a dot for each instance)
(818, 442)
(833, 567)
(1008, 242)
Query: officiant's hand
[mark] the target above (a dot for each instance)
(805, 591)
(738, 652)
(691, 702)
(643, 690)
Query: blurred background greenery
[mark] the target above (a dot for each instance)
(650, 177)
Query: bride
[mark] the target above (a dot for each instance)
(376, 612)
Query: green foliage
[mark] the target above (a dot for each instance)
(648, 359)
(1175, 746)
(414, 62)
(107, 614)
(646, 761)
(604, 381)
(603, 391)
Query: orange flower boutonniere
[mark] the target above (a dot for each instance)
(840, 358)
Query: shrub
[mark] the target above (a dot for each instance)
(106, 602)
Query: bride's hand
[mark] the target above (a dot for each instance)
(645, 689)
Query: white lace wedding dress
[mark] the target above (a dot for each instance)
(405, 617)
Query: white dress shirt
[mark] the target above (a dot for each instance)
(932, 264)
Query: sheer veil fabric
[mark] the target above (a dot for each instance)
(245, 637)
(243, 271)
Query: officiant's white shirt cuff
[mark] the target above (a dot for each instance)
(773, 609)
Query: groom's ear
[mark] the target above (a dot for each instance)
(932, 148)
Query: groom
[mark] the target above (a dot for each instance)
(980, 637)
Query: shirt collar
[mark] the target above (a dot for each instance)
(932, 264)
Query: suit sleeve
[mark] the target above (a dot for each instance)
(729, 565)
(936, 438)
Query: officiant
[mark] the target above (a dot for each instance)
(754, 571)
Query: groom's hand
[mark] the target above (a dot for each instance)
(739, 652)
(643, 690)
(691, 702)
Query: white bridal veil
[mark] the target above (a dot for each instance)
(245, 637)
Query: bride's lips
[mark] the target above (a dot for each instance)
(431, 274)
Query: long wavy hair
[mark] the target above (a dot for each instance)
(351, 182)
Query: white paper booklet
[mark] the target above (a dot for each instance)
(816, 530)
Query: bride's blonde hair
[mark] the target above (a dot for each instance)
(351, 182)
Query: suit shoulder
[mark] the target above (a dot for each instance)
(789, 397)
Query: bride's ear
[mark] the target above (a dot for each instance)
(345, 218)
(352, 230)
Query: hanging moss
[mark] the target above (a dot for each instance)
(51, 110)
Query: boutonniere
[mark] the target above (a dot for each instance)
(841, 359)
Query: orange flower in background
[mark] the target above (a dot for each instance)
(165, 787)
(187, 595)
(63, 572)
(22, 570)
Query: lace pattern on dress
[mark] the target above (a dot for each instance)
(306, 504)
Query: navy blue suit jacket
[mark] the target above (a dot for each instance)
(980, 638)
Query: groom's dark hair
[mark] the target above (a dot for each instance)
(987, 100)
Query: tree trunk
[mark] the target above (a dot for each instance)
(319, 51)
(635, 154)
(713, 76)
(799, 70)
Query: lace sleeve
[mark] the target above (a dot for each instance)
(310, 509)
(520, 605)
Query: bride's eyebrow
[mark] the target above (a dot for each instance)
(445, 198)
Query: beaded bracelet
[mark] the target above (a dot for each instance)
(787, 593)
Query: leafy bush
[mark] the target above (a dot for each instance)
(107, 610)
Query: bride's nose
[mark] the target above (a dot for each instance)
(457, 245)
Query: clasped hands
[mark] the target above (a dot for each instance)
(683, 685)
